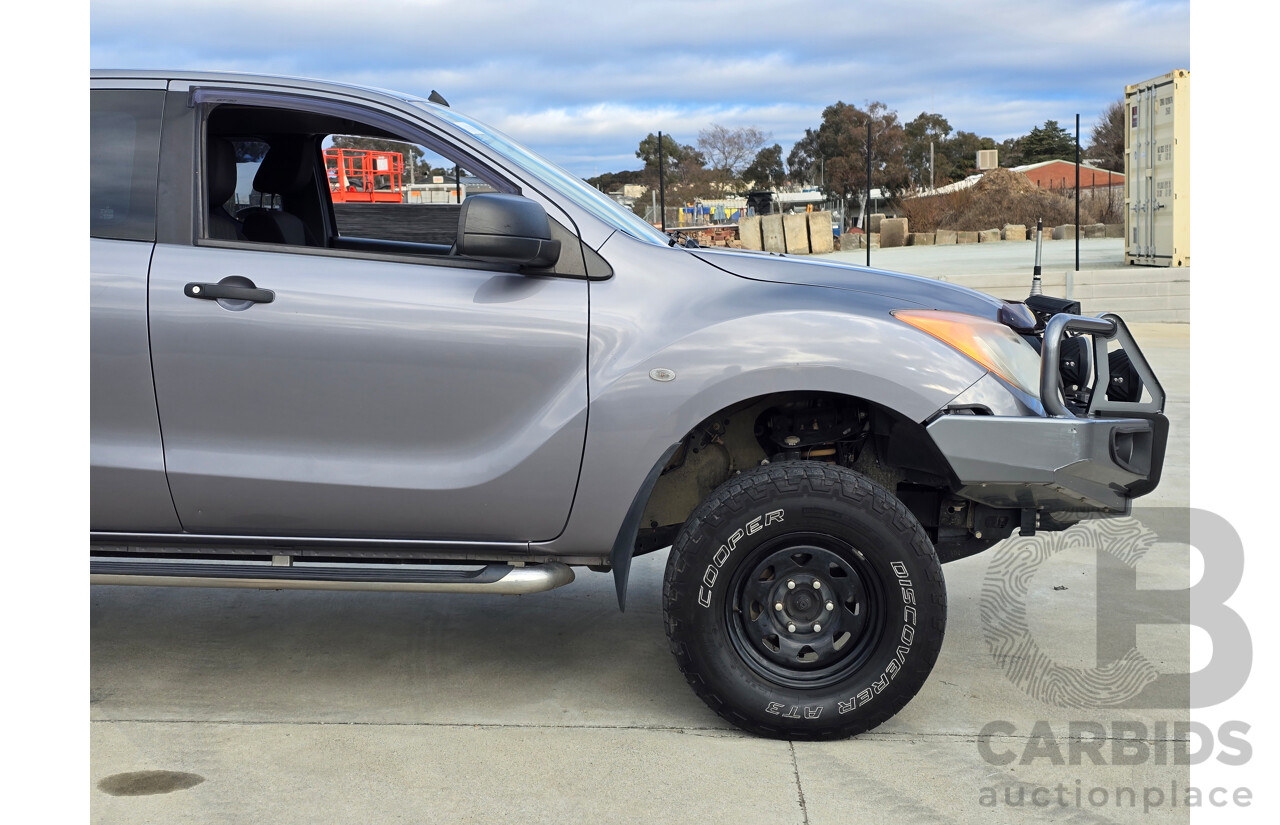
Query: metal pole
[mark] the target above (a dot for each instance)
(1035, 273)
(662, 189)
(866, 201)
(1077, 193)
(457, 182)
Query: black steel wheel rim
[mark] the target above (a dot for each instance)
(806, 610)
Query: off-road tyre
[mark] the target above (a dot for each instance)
(863, 603)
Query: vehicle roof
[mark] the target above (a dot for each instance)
(306, 83)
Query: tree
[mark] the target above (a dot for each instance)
(729, 151)
(802, 162)
(684, 175)
(766, 172)
(1106, 141)
(961, 154)
(1050, 142)
(609, 181)
(842, 146)
(1010, 152)
(922, 152)
(674, 156)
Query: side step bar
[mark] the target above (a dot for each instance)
(500, 579)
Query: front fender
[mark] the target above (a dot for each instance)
(727, 339)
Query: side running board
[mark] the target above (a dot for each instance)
(283, 574)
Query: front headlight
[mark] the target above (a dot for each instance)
(994, 346)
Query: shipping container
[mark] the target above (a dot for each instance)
(1157, 169)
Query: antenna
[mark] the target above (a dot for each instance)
(1036, 288)
(436, 97)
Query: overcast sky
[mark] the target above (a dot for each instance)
(584, 82)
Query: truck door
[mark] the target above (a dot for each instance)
(126, 459)
(388, 389)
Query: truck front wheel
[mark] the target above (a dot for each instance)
(804, 601)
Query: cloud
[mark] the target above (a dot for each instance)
(583, 82)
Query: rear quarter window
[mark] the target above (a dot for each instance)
(124, 154)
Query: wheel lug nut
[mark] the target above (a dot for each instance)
(817, 585)
(791, 585)
(830, 606)
(791, 628)
(817, 627)
(778, 607)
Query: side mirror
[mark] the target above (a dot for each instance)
(506, 228)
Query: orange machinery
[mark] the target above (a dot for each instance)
(364, 175)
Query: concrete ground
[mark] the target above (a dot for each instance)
(301, 707)
(1006, 257)
(1103, 282)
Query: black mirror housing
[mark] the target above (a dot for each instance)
(507, 228)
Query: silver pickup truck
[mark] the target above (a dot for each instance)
(346, 338)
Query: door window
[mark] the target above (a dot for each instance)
(396, 191)
(124, 155)
(319, 180)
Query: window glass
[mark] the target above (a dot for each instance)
(249, 155)
(318, 179)
(124, 155)
(395, 191)
(568, 185)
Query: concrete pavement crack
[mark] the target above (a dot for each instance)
(795, 767)
(391, 724)
(695, 731)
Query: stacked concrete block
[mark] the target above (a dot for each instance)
(944, 237)
(966, 237)
(1093, 230)
(893, 232)
(795, 231)
(876, 217)
(821, 238)
(1115, 230)
(749, 233)
(1014, 232)
(920, 239)
(989, 236)
(771, 233)
(1066, 232)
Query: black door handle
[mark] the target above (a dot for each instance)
(213, 292)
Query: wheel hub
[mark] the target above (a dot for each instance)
(806, 604)
(806, 610)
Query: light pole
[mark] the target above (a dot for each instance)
(662, 189)
(866, 201)
(1077, 193)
